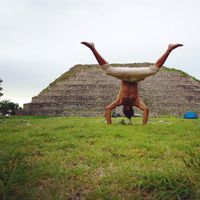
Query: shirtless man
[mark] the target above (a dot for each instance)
(128, 95)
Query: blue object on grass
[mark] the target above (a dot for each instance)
(190, 115)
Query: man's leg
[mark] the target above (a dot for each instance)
(123, 73)
(159, 63)
(98, 57)
(128, 73)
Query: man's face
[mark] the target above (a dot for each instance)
(128, 107)
(128, 111)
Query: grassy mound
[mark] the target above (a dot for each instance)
(83, 158)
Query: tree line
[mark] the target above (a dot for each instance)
(7, 107)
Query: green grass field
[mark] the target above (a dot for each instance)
(83, 158)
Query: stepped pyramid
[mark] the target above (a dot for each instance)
(85, 90)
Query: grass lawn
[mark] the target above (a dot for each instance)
(83, 158)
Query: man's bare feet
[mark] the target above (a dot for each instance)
(174, 46)
(88, 44)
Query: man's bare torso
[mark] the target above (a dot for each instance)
(128, 94)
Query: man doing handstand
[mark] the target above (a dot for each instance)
(128, 95)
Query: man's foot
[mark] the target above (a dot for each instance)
(174, 46)
(88, 44)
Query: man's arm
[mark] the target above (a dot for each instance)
(109, 108)
(145, 109)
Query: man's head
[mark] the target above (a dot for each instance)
(128, 111)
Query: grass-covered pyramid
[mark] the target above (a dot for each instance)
(85, 90)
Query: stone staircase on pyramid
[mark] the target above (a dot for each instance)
(85, 90)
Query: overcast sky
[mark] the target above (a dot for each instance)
(40, 39)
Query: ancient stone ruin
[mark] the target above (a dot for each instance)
(85, 90)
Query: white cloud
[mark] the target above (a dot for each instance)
(42, 38)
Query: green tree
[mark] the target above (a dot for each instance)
(1, 88)
(8, 107)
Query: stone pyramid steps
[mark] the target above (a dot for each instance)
(85, 90)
